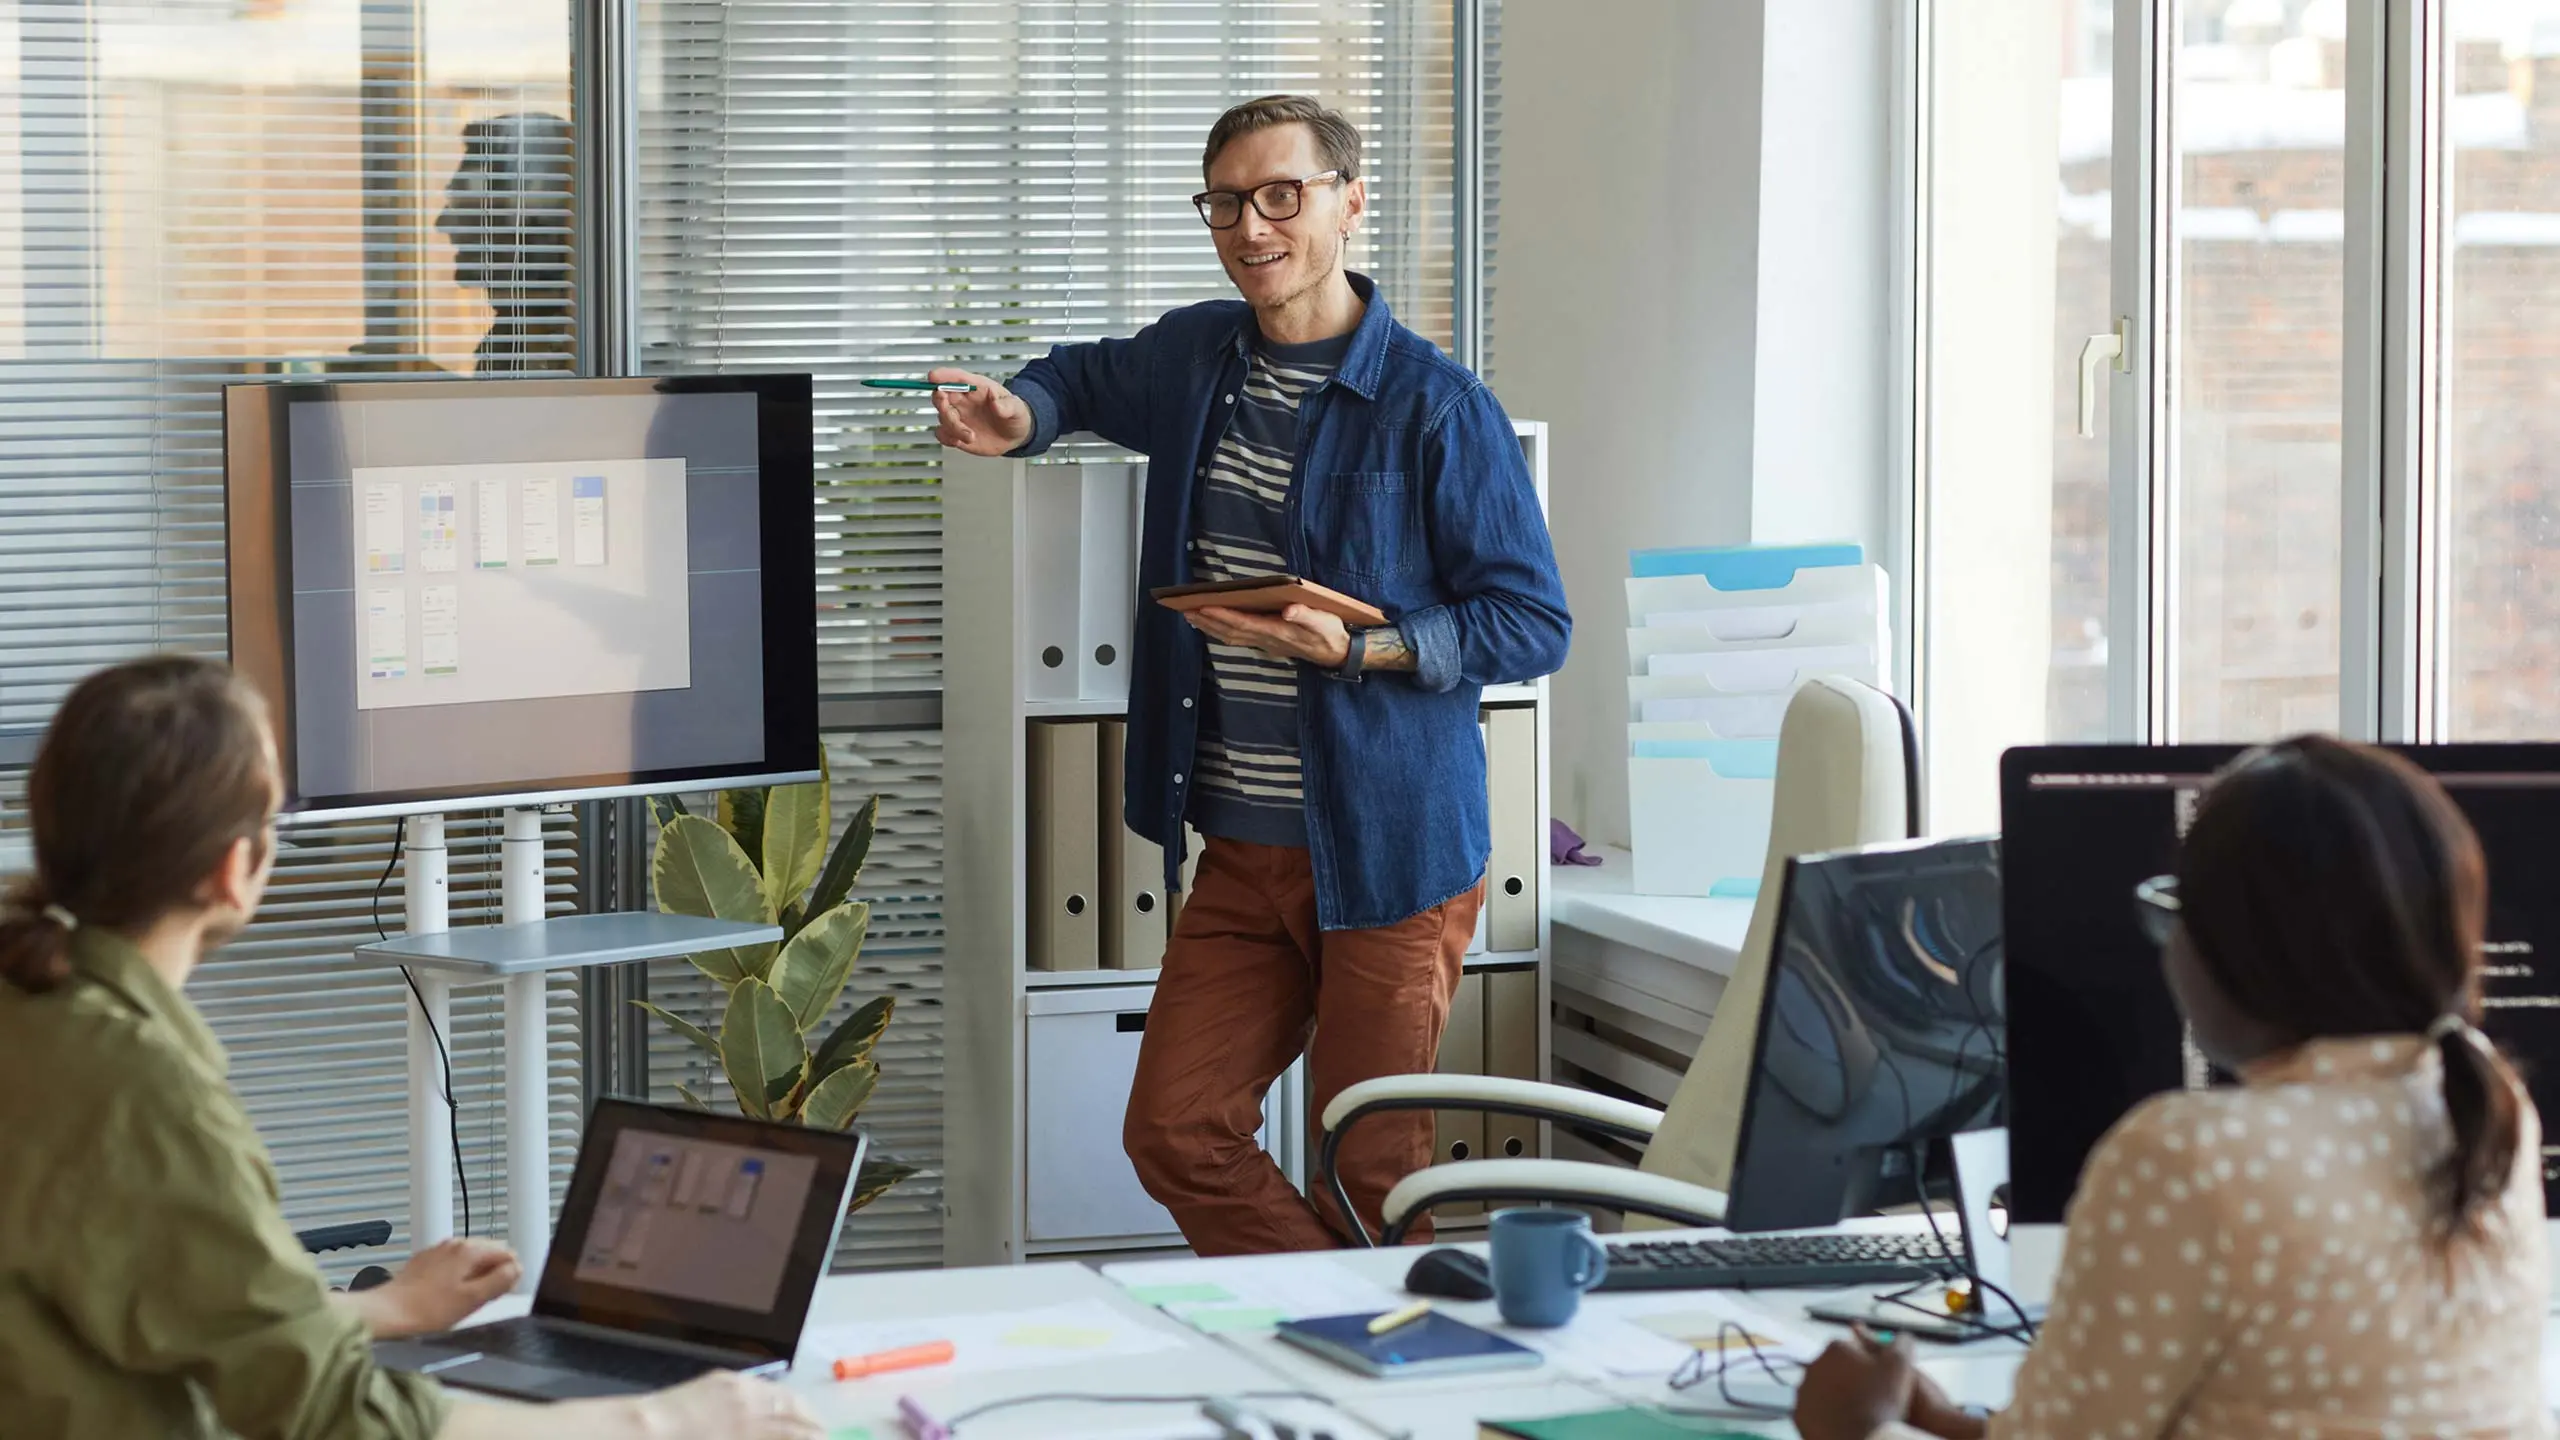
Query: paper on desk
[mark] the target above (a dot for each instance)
(1716, 1322)
(1070, 1334)
(1604, 1343)
(1249, 1294)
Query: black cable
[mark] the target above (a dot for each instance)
(444, 1057)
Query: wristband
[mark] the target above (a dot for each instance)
(1355, 655)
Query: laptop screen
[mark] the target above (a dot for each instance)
(696, 1219)
(693, 1226)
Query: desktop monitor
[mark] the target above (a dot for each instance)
(511, 592)
(1880, 1030)
(2093, 1030)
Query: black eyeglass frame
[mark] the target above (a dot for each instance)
(1297, 189)
(2157, 909)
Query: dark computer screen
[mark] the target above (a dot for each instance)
(1881, 1029)
(2093, 1030)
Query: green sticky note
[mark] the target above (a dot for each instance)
(849, 1432)
(1237, 1317)
(1179, 1294)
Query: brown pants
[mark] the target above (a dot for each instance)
(1249, 983)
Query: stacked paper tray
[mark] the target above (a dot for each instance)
(1717, 644)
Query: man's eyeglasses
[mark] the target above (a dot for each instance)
(2156, 907)
(1278, 200)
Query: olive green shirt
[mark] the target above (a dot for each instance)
(149, 1285)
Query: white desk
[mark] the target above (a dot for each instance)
(1237, 1364)
(1648, 966)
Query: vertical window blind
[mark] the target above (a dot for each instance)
(875, 188)
(194, 193)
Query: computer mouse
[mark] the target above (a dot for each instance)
(1450, 1275)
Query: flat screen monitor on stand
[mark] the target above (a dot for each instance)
(2092, 1028)
(1880, 1031)
(506, 594)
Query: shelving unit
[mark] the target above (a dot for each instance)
(1031, 1051)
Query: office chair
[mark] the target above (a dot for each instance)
(1848, 774)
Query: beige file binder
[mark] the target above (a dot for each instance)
(1511, 1052)
(1519, 851)
(1460, 1134)
(1066, 873)
(1135, 915)
(1475, 942)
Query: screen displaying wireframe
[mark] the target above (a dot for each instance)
(699, 1220)
(491, 589)
(2093, 1029)
(1881, 1029)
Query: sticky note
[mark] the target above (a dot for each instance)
(1179, 1294)
(1240, 1317)
(849, 1432)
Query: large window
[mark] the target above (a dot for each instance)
(2500, 516)
(195, 193)
(2314, 496)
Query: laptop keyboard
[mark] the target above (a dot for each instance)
(1827, 1261)
(536, 1344)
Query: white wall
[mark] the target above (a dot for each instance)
(1693, 272)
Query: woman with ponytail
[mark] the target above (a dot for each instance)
(148, 1284)
(2349, 1243)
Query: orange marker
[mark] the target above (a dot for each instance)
(911, 1357)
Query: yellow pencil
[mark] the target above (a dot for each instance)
(1395, 1318)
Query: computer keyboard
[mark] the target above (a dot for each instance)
(537, 1344)
(1750, 1262)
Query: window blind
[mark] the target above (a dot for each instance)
(194, 193)
(872, 189)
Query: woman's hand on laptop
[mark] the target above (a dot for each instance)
(438, 1289)
(730, 1405)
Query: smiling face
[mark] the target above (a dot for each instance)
(1276, 263)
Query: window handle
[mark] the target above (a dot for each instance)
(2099, 350)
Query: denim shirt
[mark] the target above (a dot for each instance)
(1411, 493)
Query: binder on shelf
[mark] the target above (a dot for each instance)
(1065, 864)
(1459, 1134)
(1079, 582)
(1107, 577)
(1698, 812)
(1136, 914)
(1053, 531)
(1519, 851)
(1484, 736)
(1511, 1052)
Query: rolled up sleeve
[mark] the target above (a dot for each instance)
(183, 1266)
(1489, 541)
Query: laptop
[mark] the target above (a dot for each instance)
(689, 1242)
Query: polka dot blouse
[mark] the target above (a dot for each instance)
(2255, 1262)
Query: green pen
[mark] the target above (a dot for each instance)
(944, 385)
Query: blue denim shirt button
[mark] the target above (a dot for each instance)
(1186, 702)
(1231, 399)
(1177, 777)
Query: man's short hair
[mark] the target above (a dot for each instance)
(1337, 139)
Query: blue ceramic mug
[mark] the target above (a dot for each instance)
(1542, 1262)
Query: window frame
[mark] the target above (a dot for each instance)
(2395, 680)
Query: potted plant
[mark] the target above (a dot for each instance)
(765, 861)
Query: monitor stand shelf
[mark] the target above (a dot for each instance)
(520, 952)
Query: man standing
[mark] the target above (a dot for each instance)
(1337, 775)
